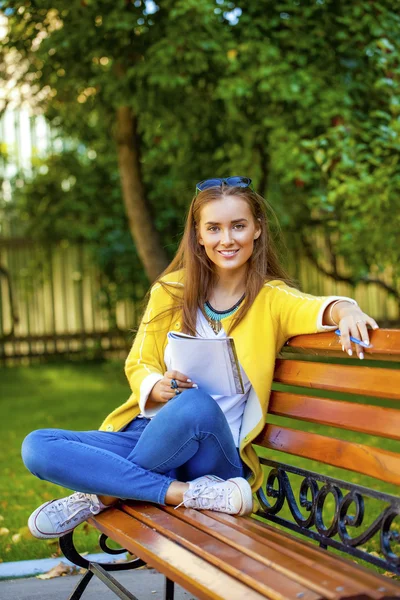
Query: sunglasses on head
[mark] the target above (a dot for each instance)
(216, 182)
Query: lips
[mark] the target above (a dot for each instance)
(228, 253)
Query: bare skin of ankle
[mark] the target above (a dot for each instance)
(175, 492)
(173, 496)
(107, 500)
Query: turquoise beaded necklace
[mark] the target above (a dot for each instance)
(214, 317)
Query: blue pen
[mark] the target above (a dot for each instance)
(355, 340)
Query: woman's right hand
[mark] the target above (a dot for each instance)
(162, 391)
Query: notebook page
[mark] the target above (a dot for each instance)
(211, 363)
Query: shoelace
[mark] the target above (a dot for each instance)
(196, 491)
(81, 501)
(208, 493)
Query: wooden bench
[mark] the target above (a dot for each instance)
(213, 555)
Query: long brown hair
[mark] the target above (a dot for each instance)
(199, 273)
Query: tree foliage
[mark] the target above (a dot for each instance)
(302, 96)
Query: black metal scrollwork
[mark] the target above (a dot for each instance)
(280, 477)
(320, 499)
(71, 553)
(388, 536)
(346, 504)
(346, 520)
(308, 485)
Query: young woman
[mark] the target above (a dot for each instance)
(171, 443)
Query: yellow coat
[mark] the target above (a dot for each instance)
(278, 313)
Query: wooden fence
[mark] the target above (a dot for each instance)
(59, 306)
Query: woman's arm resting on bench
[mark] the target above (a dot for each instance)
(352, 321)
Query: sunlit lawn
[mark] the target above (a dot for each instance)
(79, 396)
(71, 396)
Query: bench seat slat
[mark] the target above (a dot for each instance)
(381, 464)
(270, 535)
(367, 381)
(322, 572)
(375, 420)
(196, 575)
(232, 561)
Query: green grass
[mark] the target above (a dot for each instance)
(79, 396)
(71, 396)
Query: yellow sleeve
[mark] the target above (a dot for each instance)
(145, 361)
(298, 313)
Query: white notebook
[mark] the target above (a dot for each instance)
(210, 362)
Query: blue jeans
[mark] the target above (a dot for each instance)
(188, 437)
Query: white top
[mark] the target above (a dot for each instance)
(231, 406)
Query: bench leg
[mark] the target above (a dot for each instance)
(111, 582)
(70, 552)
(81, 587)
(169, 589)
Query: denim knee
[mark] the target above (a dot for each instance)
(194, 405)
(34, 451)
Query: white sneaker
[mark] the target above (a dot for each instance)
(233, 496)
(202, 482)
(197, 485)
(58, 517)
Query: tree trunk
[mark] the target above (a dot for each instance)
(144, 234)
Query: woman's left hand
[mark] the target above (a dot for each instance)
(353, 322)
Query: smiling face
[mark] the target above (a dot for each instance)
(227, 230)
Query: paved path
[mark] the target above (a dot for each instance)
(146, 584)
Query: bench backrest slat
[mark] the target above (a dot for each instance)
(382, 464)
(385, 344)
(373, 420)
(367, 381)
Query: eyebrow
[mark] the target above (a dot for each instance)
(235, 221)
